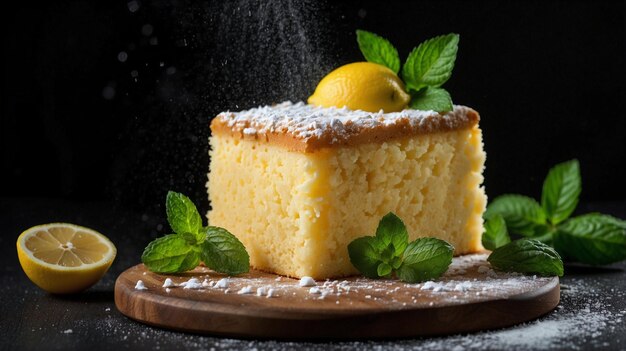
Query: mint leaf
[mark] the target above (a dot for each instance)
(592, 239)
(523, 215)
(495, 234)
(425, 259)
(561, 189)
(435, 99)
(182, 215)
(223, 252)
(170, 254)
(384, 269)
(378, 50)
(527, 256)
(391, 230)
(431, 63)
(191, 239)
(364, 255)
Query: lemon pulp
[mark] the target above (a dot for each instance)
(63, 257)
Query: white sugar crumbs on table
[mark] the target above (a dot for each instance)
(67, 331)
(140, 285)
(271, 293)
(469, 278)
(586, 311)
(222, 283)
(192, 283)
(245, 290)
(261, 291)
(307, 281)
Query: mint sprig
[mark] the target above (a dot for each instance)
(527, 256)
(496, 234)
(425, 259)
(389, 252)
(594, 239)
(430, 98)
(174, 253)
(523, 215)
(182, 215)
(378, 50)
(170, 254)
(426, 69)
(430, 64)
(561, 190)
(224, 251)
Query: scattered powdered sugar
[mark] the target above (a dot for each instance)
(468, 279)
(168, 283)
(67, 331)
(584, 315)
(307, 281)
(245, 290)
(222, 283)
(249, 131)
(307, 121)
(591, 315)
(140, 285)
(192, 283)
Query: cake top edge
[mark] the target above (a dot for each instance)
(311, 124)
(302, 111)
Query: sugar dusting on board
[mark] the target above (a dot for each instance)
(587, 309)
(468, 279)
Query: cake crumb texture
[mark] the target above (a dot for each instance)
(296, 212)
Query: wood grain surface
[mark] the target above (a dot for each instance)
(466, 299)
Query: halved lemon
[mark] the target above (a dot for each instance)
(64, 258)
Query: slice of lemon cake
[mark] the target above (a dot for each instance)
(297, 183)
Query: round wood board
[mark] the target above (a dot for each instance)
(469, 297)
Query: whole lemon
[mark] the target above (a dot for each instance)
(363, 86)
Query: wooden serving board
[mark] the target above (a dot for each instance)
(467, 298)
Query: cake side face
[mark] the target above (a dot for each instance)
(432, 182)
(270, 199)
(296, 210)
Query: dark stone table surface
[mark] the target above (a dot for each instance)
(592, 313)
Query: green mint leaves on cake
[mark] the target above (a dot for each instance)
(378, 50)
(389, 252)
(594, 238)
(174, 253)
(426, 69)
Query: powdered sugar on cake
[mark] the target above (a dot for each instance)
(306, 122)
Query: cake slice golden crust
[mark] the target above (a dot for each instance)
(306, 128)
(296, 205)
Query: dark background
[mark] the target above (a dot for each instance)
(93, 137)
(81, 122)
